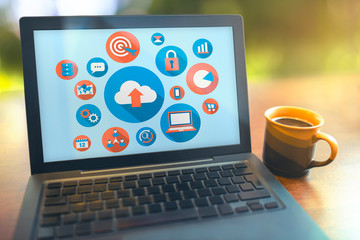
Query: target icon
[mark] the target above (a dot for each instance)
(122, 47)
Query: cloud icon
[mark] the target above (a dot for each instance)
(132, 93)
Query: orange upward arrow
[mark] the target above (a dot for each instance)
(135, 98)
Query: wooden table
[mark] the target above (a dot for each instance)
(329, 194)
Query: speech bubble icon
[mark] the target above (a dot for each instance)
(97, 67)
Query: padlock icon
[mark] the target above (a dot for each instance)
(171, 64)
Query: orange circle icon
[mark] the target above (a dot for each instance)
(66, 69)
(82, 143)
(85, 90)
(122, 47)
(210, 106)
(177, 93)
(115, 139)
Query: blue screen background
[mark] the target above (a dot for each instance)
(59, 104)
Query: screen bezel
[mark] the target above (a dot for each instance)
(29, 24)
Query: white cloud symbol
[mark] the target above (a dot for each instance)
(122, 97)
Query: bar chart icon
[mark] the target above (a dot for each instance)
(202, 48)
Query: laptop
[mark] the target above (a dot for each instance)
(101, 92)
(180, 121)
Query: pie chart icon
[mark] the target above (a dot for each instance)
(202, 78)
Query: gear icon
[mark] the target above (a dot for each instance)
(93, 118)
(85, 113)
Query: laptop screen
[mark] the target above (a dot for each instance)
(115, 92)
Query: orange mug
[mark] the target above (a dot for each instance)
(290, 137)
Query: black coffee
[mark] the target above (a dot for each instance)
(295, 122)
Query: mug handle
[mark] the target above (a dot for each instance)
(333, 145)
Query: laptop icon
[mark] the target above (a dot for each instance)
(180, 121)
(204, 183)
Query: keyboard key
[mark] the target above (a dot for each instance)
(246, 186)
(129, 201)
(213, 175)
(99, 187)
(163, 218)
(240, 165)
(92, 197)
(138, 192)
(188, 194)
(232, 189)
(138, 210)
(216, 200)
(168, 188)
(112, 203)
(244, 196)
(186, 178)
(242, 209)
(154, 208)
(144, 183)
(65, 231)
(270, 205)
(153, 190)
(46, 233)
(238, 179)
(174, 196)
(68, 191)
(252, 202)
(201, 170)
(55, 210)
(231, 198)
(182, 186)
(129, 184)
(54, 185)
(158, 181)
(107, 195)
(174, 173)
(53, 192)
(142, 200)
(83, 228)
(225, 209)
(100, 180)
(196, 185)
(55, 201)
(102, 226)
(51, 220)
(131, 177)
(116, 179)
(199, 176)
(114, 185)
(159, 174)
(123, 193)
(210, 183)
(228, 167)
(187, 171)
(218, 190)
(170, 206)
(106, 214)
(256, 206)
(87, 216)
(226, 173)
(224, 181)
(70, 183)
(145, 176)
(122, 213)
(159, 197)
(201, 202)
(86, 182)
(76, 198)
(186, 204)
(204, 192)
(79, 207)
(69, 218)
(96, 205)
(214, 168)
(241, 171)
(208, 212)
(255, 181)
(84, 189)
(172, 179)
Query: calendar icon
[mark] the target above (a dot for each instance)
(82, 143)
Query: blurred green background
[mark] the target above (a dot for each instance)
(283, 38)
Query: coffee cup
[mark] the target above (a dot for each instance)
(290, 137)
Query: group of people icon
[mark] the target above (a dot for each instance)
(116, 135)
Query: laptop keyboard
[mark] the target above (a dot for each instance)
(101, 205)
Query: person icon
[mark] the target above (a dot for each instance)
(109, 145)
(122, 143)
(115, 135)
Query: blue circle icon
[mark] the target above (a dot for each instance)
(202, 48)
(88, 115)
(171, 61)
(157, 39)
(146, 136)
(180, 122)
(97, 67)
(134, 94)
